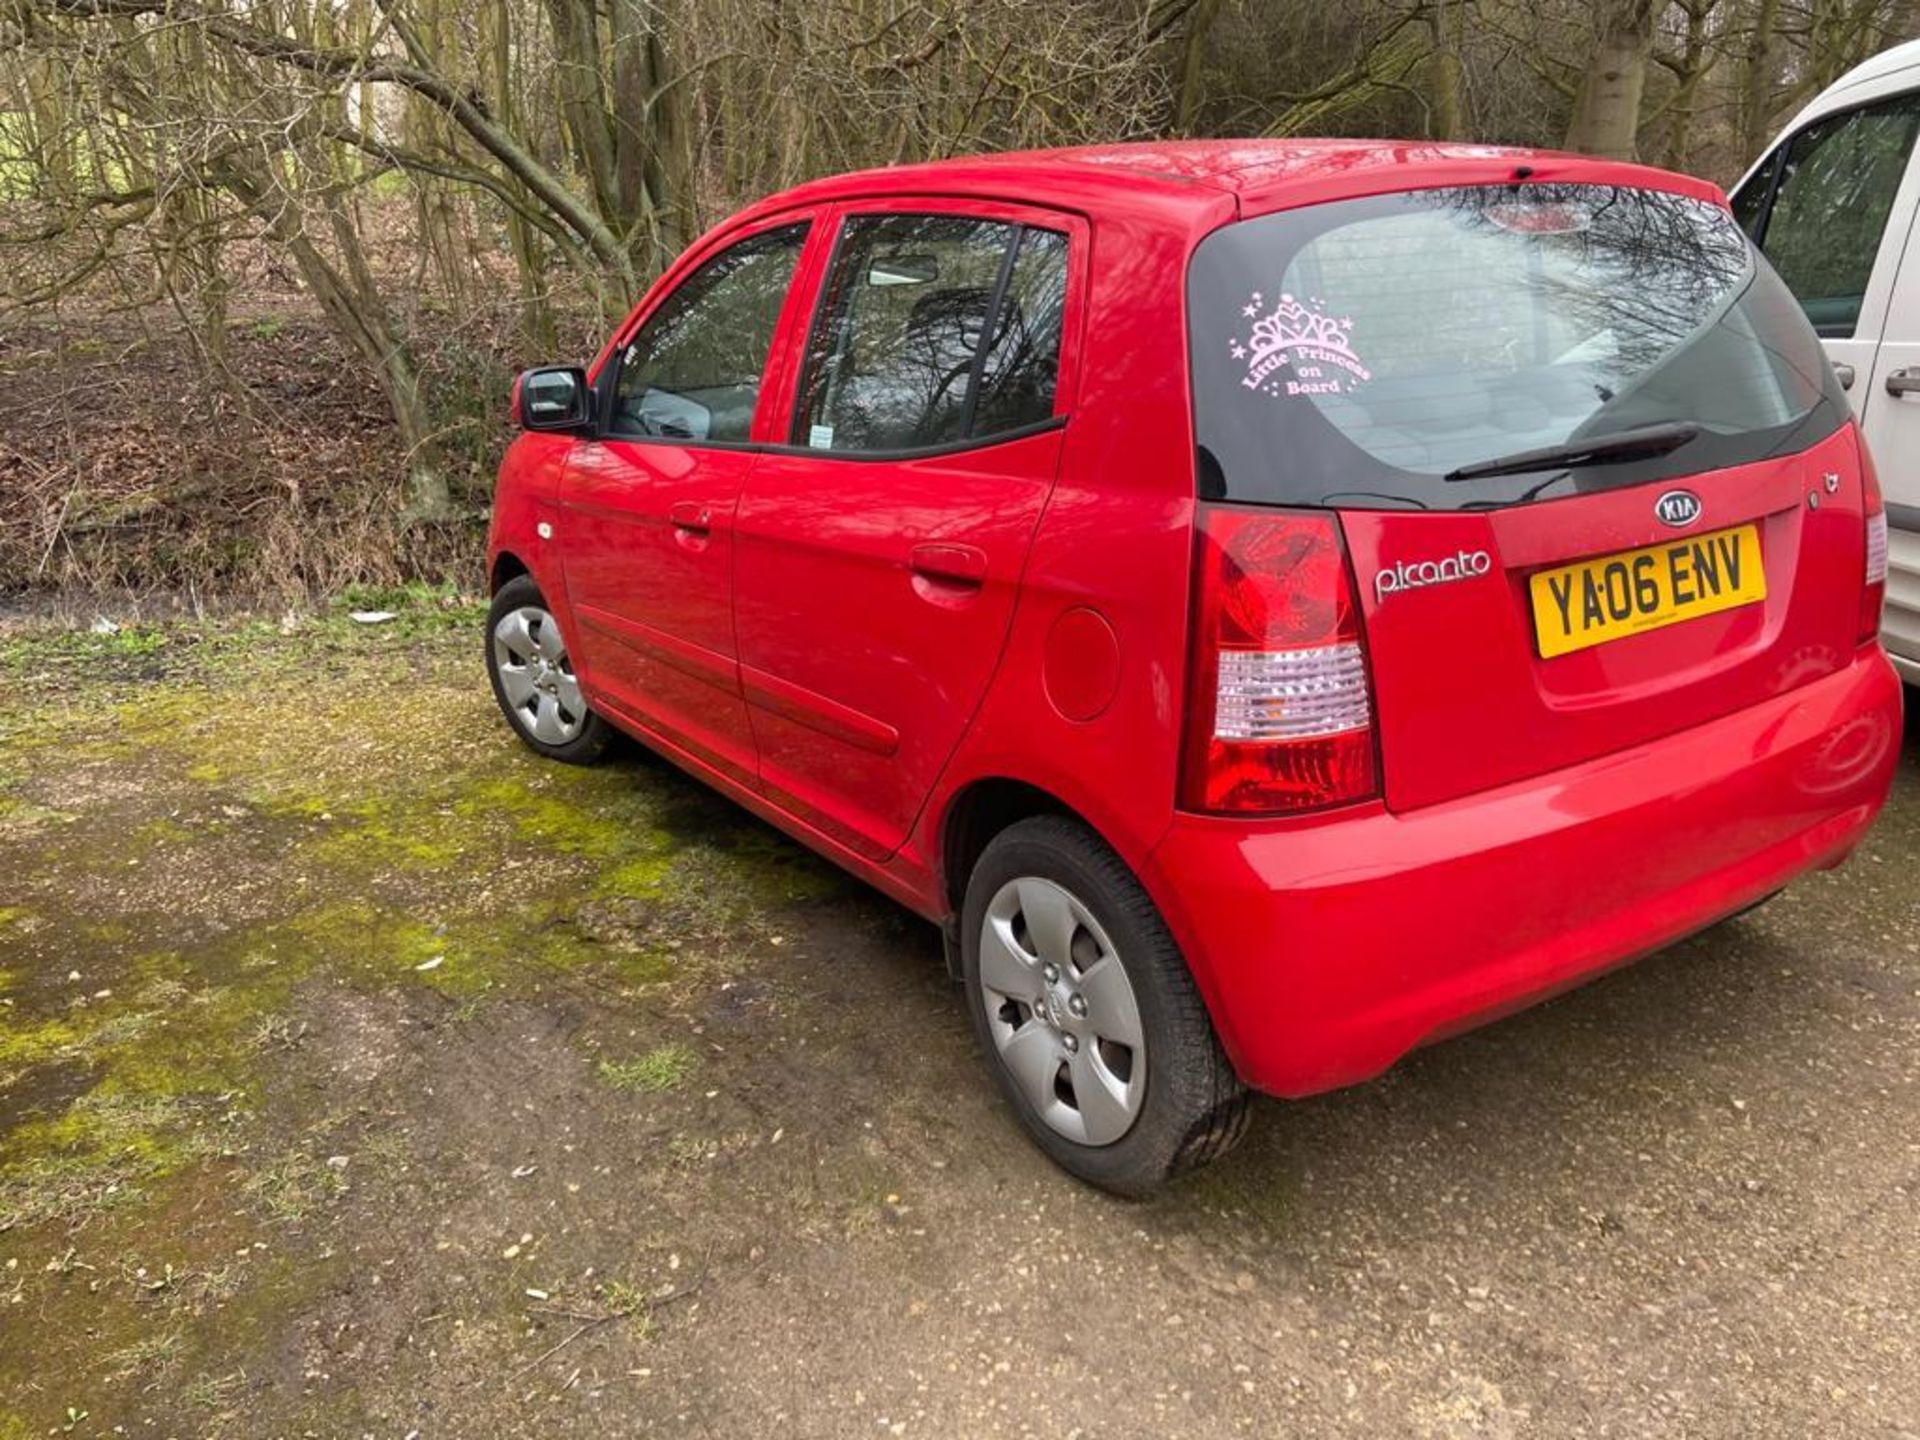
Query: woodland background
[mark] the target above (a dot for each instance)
(267, 266)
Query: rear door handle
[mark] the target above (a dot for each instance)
(955, 564)
(1903, 382)
(691, 516)
(1844, 373)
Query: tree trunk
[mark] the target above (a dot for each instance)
(536, 317)
(1690, 70)
(1192, 69)
(647, 117)
(1756, 81)
(1606, 111)
(354, 310)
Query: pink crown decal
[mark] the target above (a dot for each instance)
(1299, 336)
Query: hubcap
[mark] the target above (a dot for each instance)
(1062, 1011)
(536, 676)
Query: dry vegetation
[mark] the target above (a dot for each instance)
(269, 263)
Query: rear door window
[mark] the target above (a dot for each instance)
(936, 330)
(1358, 352)
(1818, 210)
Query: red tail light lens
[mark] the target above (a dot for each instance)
(1873, 593)
(1280, 711)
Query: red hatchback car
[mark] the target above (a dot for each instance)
(1272, 604)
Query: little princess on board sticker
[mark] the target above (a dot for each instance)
(1297, 348)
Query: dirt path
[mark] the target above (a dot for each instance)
(360, 1075)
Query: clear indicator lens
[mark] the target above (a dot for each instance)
(1291, 694)
(1877, 548)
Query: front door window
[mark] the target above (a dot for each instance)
(693, 371)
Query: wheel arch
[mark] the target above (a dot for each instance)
(980, 810)
(506, 566)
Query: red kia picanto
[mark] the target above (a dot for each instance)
(1272, 604)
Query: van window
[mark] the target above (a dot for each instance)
(935, 329)
(1820, 218)
(1355, 353)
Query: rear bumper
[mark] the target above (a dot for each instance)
(1328, 949)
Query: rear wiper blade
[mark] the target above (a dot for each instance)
(1593, 450)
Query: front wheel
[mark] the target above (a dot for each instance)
(533, 679)
(1088, 1014)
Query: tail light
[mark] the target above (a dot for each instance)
(1873, 593)
(1280, 711)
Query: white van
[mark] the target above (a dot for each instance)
(1832, 205)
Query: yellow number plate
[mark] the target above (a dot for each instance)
(1600, 600)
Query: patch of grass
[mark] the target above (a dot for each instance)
(214, 1392)
(630, 1303)
(156, 1352)
(38, 650)
(295, 1185)
(419, 607)
(665, 1067)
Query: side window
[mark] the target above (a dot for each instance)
(934, 329)
(1832, 189)
(693, 370)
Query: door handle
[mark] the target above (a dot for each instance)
(1844, 373)
(955, 564)
(691, 516)
(1903, 382)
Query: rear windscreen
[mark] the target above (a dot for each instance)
(1356, 353)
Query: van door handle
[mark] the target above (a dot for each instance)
(691, 516)
(1844, 373)
(1903, 382)
(954, 564)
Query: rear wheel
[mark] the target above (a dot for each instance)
(1088, 1014)
(533, 679)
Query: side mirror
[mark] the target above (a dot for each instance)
(554, 397)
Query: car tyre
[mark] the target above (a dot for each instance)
(1048, 907)
(532, 675)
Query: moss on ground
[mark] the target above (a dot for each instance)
(243, 813)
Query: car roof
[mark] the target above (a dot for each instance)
(1249, 175)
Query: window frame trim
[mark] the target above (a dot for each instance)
(1020, 217)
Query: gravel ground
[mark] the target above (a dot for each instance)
(361, 1076)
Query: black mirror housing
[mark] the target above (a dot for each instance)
(553, 397)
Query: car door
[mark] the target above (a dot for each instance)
(1832, 208)
(647, 507)
(879, 552)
